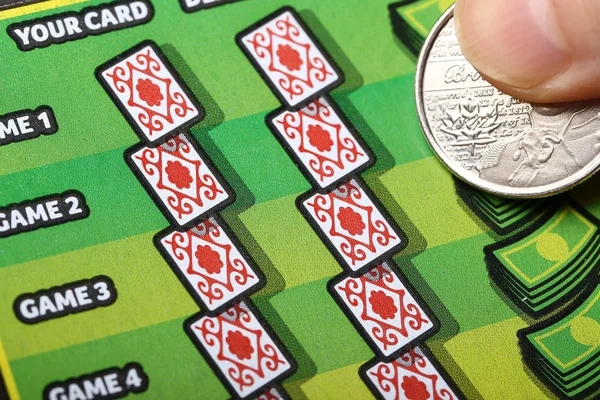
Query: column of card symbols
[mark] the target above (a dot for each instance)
(380, 302)
(199, 246)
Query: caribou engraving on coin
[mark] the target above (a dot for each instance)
(496, 142)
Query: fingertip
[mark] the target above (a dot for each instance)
(515, 42)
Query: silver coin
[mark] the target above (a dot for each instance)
(493, 141)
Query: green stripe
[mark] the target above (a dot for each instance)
(437, 213)
(312, 334)
(276, 247)
(148, 293)
(385, 115)
(169, 359)
(90, 123)
(320, 342)
(343, 383)
(476, 354)
(243, 150)
(455, 280)
(288, 242)
(285, 248)
(314, 328)
(119, 206)
(161, 297)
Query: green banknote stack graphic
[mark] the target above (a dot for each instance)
(503, 215)
(544, 266)
(412, 20)
(566, 350)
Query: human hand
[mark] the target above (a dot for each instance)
(543, 51)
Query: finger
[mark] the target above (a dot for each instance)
(536, 50)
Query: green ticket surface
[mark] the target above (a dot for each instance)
(447, 228)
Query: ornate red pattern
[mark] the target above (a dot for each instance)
(180, 175)
(382, 304)
(351, 221)
(312, 125)
(355, 249)
(412, 377)
(289, 30)
(239, 345)
(398, 319)
(208, 259)
(271, 394)
(246, 367)
(150, 93)
(199, 244)
(319, 138)
(414, 388)
(289, 57)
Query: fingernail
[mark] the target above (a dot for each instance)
(516, 42)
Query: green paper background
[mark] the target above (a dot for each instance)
(477, 343)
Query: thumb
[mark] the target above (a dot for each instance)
(540, 51)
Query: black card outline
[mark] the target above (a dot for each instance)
(360, 329)
(206, 311)
(176, 77)
(362, 372)
(128, 155)
(530, 356)
(283, 394)
(341, 77)
(388, 254)
(300, 165)
(494, 264)
(203, 6)
(187, 326)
